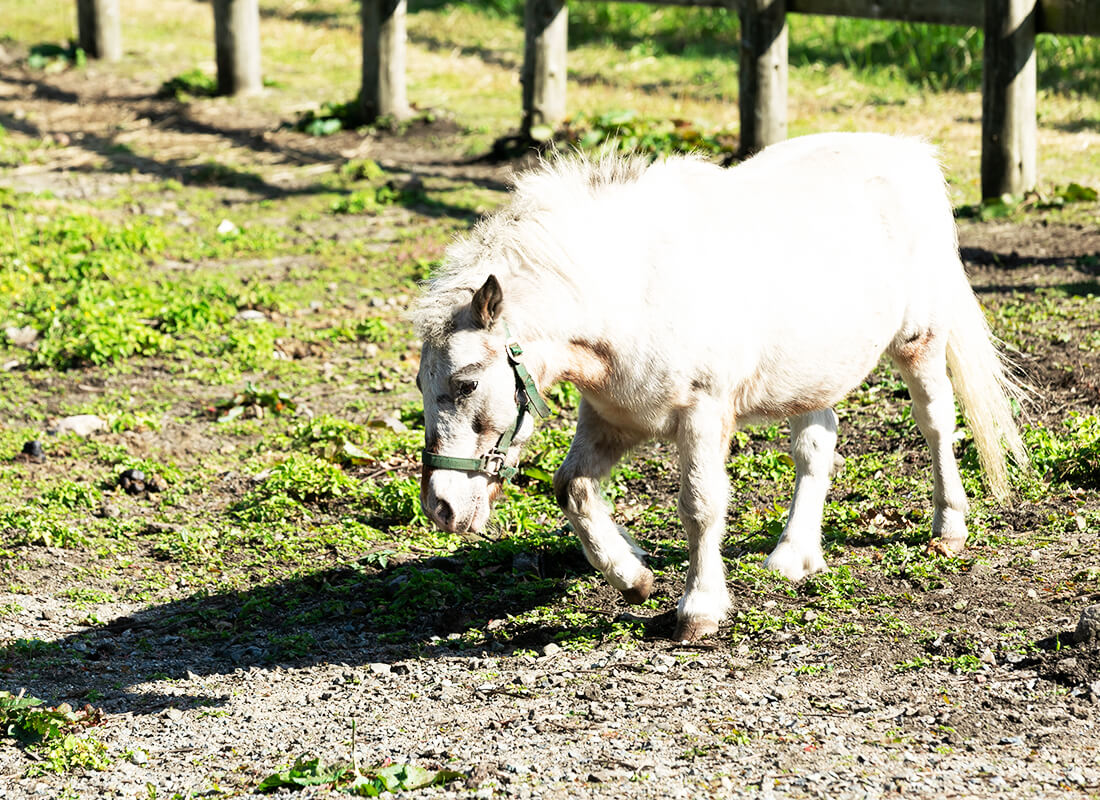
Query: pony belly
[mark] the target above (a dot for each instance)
(798, 382)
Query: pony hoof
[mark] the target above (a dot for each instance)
(640, 591)
(793, 564)
(692, 630)
(945, 546)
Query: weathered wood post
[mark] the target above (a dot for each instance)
(237, 46)
(99, 29)
(545, 24)
(383, 91)
(763, 74)
(1009, 126)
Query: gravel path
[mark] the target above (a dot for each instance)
(655, 721)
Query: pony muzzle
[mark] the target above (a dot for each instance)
(454, 502)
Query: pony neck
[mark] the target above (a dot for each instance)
(587, 363)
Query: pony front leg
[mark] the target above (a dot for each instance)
(813, 442)
(608, 547)
(703, 442)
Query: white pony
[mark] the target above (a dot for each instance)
(684, 300)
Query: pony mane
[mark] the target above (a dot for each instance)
(519, 242)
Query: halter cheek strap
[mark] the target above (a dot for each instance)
(527, 397)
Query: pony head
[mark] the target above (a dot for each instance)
(476, 416)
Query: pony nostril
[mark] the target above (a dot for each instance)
(444, 514)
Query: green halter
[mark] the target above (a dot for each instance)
(527, 396)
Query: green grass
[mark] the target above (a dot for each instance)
(255, 366)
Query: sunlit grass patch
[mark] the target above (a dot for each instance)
(1070, 455)
(58, 735)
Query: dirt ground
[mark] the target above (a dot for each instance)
(780, 714)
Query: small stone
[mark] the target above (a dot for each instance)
(988, 657)
(525, 563)
(1032, 594)
(1088, 626)
(174, 714)
(783, 691)
(378, 668)
(1066, 666)
(478, 775)
(980, 569)
(80, 424)
(21, 337)
(139, 757)
(132, 481)
(33, 448)
(551, 649)
(227, 228)
(251, 315)
(389, 422)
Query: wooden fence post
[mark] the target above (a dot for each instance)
(1009, 126)
(383, 91)
(237, 46)
(545, 24)
(99, 29)
(763, 74)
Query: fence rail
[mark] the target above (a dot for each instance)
(1073, 17)
(1009, 126)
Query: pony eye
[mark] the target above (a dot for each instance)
(466, 388)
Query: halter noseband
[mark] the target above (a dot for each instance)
(527, 396)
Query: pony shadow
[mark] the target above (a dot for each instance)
(375, 610)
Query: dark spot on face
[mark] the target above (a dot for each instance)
(480, 424)
(701, 384)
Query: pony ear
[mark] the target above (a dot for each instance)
(486, 303)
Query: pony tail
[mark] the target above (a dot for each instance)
(980, 376)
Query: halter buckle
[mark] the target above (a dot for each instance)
(492, 463)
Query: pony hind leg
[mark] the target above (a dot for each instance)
(798, 553)
(595, 449)
(703, 441)
(923, 365)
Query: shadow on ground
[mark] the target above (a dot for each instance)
(355, 614)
